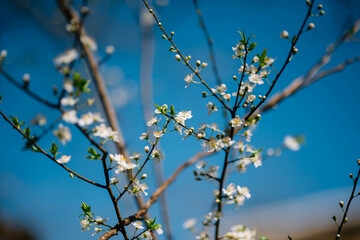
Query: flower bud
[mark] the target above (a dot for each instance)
(146, 149)
(3, 54)
(320, 6)
(109, 49)
(341, 203)
(198, 63)
(177, 57)
(284, 34)
(143, 176)
(204, 64)
(295, 50)
(26, 79)
(322, 12)
(311, 26)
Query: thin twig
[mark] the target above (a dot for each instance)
(352, 196)
(47, 155)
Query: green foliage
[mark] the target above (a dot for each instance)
(86, 209)
(94, 154)
(54, 149)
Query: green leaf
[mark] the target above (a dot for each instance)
(54, 149)
(94, 154)
(86, 208)
(290, 238)
(33, 148)
(15, 121)
(172, 110)
(252, 46)
(27, 133)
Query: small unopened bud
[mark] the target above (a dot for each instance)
(55, 90)
(71, 175)
(217, 200)
(244, 105)
(26, 79)
(198, 63)
(146, 149)
(341, 203)
(234, 77)
(3, 54)
(311, 26)
(159, 24)
(337, 236)
(295, 50)
(264, 97)
(204, 64)
(110, 49)
(358, 162)
(172, 33)
(177, 57)
(345, 220)
(260, 97)
(143, 176)
(284, 34)
(322, 12)
(150, 10)
(320, 6)
(334, 218)
(164, 37)
(308, 2)
(351, 176)
(84, 10)
(204, 94)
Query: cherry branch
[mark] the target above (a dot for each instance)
(41, 150)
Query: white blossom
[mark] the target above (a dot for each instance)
(138, 225)
(39, 119)
(63, 133)
(66, 57)
(152, 121)
(63, 159)
(236, 122)
(182, 116)
(190, 223)
(70, 116)
(123, 165)
(85, 223)
(211, 107)
(68, 101)
(89, 118)
(88, 42)
(189, 79)
(255, 78)
(291, 143)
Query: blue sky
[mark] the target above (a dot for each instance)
(41, 196)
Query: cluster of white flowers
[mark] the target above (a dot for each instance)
(239, 51)
(240, 232)
(122, 163)
(214, 144)
(138, 187)
(254, 157)
(212, 217)
(236, 195)
(106, 133)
